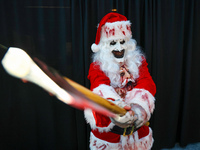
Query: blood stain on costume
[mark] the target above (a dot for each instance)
(137, 92)
(145, 97)
(95, 143)
(103, 147)
(112, 32)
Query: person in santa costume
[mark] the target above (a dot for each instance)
(119, 73)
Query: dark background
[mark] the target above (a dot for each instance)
(60, 32)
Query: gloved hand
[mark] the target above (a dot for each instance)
(128, 119)
(135, 116)
(125, 121)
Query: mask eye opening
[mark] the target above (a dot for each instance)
(122, 42)
(112, 43)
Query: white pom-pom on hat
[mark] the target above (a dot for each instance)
(95, 48)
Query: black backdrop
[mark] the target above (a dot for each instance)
(60, 32)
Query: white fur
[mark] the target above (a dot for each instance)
(94, 48)
(126, 142)
(144, 143)
(91, 120)
(98, 144)
(119, 27)
(136, 96)
(132, 58)
(106, 91)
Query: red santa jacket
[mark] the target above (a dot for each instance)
(142, 94)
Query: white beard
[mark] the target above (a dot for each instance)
(108, 64)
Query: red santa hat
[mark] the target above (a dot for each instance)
(112, 26)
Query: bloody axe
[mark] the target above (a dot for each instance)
(19, 64)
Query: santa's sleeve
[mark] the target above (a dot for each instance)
(144, 91)
(100, 84)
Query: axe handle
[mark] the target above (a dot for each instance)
(97, 99)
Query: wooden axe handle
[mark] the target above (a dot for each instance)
(96, 98)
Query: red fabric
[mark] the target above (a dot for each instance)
(96, 76)
(145, 80)
(107, 136)
(110, 17)
(101, 120)
(143, 131)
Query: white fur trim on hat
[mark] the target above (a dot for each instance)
(116, 30)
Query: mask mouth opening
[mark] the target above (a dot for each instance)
(118, 54)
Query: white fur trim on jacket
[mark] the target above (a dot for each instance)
(91, 121)
(143, 98)
(106, 91)
(126, 142)
(144, 143)
(98, 144)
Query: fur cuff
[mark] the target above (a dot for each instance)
(106, 91)
(143, 98)
(91, 121)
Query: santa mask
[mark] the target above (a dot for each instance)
(118, 49)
